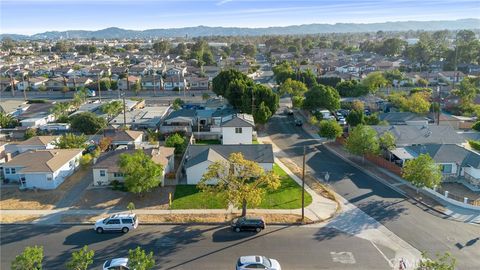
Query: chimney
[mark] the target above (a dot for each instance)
(8, 157)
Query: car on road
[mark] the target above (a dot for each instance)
(248, 224)
(298, 122)
(257, 262)
(288, 111)
(342, 121)
(117, 222)
(116, 264)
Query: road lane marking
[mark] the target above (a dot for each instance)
(383, 255)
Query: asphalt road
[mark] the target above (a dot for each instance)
(422, 228)
(198, 247)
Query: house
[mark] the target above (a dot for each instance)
(404, 118)
(32, 144)
(127, 83)
(199, 157)
(106, 168)
(79, 82)
(180, 120)
(451, 76)
(55, 84)
(62, 71)
(138, 70)
(124, 137)
(176, 72)
(238, 130)
(35, 83)
(36, 114)
(406, 135)
(43, 169)
(147, 118)
(171, 83)
(197, 83)
(152, 82)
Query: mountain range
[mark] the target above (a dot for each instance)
(119, 33)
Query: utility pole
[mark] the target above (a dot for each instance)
(124, 112)
(99, 90)
(24, 89)
(303, 183)
(154, 92)
(253, 101)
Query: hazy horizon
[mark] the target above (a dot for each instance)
(39, 16)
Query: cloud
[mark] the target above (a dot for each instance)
(223, 2)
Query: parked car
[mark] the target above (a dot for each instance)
(298, 122)
(248, 224)
(342, 121)
(288, 111)
(117, 222)
(257, 262)
(116, 264)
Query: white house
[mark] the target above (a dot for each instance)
(238, 130)
(43, 169)
(199, 157)
(32, 144)
(106, 169)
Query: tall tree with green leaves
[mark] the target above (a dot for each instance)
(87, 123)
(374, 81)
(292, 87)
(141, 173)
(177, 141)
(262, 114)
(30, 259)
(112, 108)
(355, 118)
(243, 182)
(330, 129)
(138, 259)
(60, 109)
(81, 259)
(7, 121)
(441, 262)
(70, 141)
(105, 84)
(422, 172)
(362, 140)
(322, 97)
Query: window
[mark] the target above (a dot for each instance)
(238, 130)
(127, 221)
(13, 170)
(117, 174)
(102, 173)
(114, 221)
(446, 168)
(71, 163)
(7, 170)
(49, 178)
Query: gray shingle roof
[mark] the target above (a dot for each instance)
(239, 121)
(261, 153)
(400, 117)
(447, 153)
(412, 135)
(181, 113)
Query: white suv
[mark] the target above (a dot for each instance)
(117, 222)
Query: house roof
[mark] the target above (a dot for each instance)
(261, 153)
(447, 153)
(39, 140)
(126, 135)
(110, 159)
(240, 120)
(43, 160)
(181, 113)
(401, 117)
(429, 134)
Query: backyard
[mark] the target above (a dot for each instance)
(287, 196)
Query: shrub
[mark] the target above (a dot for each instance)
(85, 160)
(474, 144)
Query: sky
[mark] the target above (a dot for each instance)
(36, 16)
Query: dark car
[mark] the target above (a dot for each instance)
(248, 224)
(298, 122)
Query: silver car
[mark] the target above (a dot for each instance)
(257, 262)
(117, 222)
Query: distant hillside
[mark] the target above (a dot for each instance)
(114, 33)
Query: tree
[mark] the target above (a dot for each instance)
(104, 143)
(161, 47)
(141, 173)
(292, 87)
(87, 123)
(138, 259)
(372, 119)
(250, 50)
(137, 87)
(205, 96)
(297, 101)
(330, 129)
(283, 71)
(81, 259)
(417, 103)
(362, 140)
(112, 108)
(441, 262)
(105, 85)
(243, 182)
(387, 141)
(422, 172)
(85, 160)
(351, 88)
(7, 121)
(60, 109)
(355, 118)
(177, 104)
(208, 58)
(321, 96)
(131, 207)
(177, 141)
(114, 85)
(374, 80)
(262, 114)
(70, 140)
(30, 259)
(221, 82)
(476, 126)
(29, 133)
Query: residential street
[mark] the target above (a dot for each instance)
(200, 247)
(422, 228)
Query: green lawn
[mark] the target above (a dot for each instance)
(207, 142)
(189, 197)
(287, 196)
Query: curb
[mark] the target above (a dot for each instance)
(396, 189)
